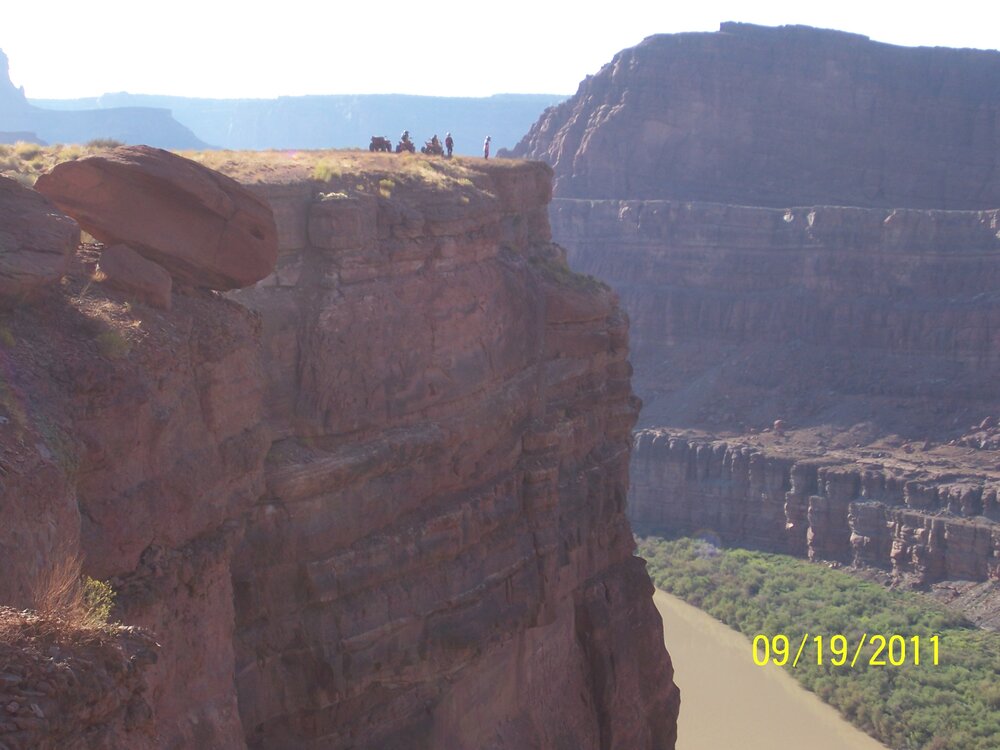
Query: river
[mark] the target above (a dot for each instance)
(729, 702)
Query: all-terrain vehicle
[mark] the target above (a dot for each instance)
(432, 148)
(380, 143)
(406, 145)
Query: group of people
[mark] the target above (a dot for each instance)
(449, 144)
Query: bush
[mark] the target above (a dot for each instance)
(98, 600)
(27, 151)
(104, 143)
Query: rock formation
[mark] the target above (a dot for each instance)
(123, 268)
(792, 116)
(36, 242)
(691, 175)
(126, 124)
(67, 686)
(448, 556)
(374, 501)
(198, 224)
(867, 512)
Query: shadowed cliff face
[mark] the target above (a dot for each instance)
(777, 117)
(441, 558)
(375, 501)
(690, 175)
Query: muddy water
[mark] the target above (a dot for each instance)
(729, 702)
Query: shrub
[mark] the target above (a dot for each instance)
(61, 591)
(27, 151)
(104, 143)
(98, 599)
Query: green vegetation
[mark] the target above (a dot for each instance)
(954, 704)
(561, 273)
(98, 143)
(324, 171)
(98, 599)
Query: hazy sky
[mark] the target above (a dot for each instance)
(71, 48)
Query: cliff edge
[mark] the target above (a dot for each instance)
(375, 500)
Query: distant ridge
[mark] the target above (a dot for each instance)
(337, 121)
(792, 115)
(155, 127)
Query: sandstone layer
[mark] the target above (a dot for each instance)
(448, 562)
(375, 501)
(867, 512)
(695, 174)
(780, 116)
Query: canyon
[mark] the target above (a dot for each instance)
(361, 473)
(802, 225)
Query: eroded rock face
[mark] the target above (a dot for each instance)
(447, 555)
(36, 242)
(382, 507)
(137, 436)
(201, 226)
(125, 269)
(926, 524)
(780, 117)
(809, 306)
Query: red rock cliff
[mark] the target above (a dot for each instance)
(441, 558)
(780, 116)
(691, 174)
(375, 501)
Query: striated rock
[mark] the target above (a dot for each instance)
(852, 512)
(36, 242)
(815, 304)
(772, 117)
(382, 507)
(442, 546)
(202, 227)
(125, 269)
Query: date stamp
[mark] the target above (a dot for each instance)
(840, 651)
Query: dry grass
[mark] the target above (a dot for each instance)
(24, 162)
(62, 592)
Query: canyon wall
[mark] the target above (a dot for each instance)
(783, 116)
(802, 225)
(862, 512)
(374, 501)
(441, 558)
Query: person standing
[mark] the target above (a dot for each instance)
(486, 148)
(449, 143)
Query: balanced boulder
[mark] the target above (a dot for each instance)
(36, 242)
(203, 228)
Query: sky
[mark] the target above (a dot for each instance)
(72, 48)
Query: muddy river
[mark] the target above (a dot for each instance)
(729, 702)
